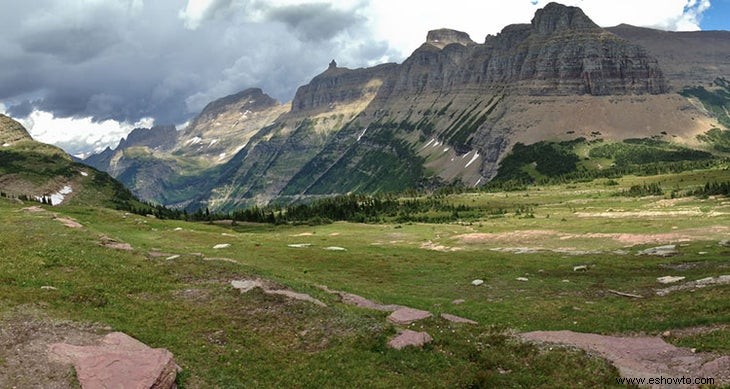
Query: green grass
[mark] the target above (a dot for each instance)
(226, 339)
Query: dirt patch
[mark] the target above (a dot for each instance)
(68, 222)
(25, 335)
(637, 357)
(111, 243)
(536, 236)
(437, 247)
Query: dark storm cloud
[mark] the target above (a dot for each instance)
(315, 22)
(130, 59)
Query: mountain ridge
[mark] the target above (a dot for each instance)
(449, 113)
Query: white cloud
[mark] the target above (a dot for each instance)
(78, 135)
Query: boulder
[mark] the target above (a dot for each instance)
(669, 279)
(120, 361)
(410, 338)
(477, 282)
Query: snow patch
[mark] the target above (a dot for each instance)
(57, 198)
(429, 143)
(478, 182)
(363, 133)
(214, 141)
(221, 156)
(6, 144)
(474, 158)
(447, 149)
(85, 174)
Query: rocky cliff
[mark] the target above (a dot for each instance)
(448, 113)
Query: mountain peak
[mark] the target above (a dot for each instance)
(444, 37)
(557, 17)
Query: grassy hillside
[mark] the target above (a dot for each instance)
(226, 339)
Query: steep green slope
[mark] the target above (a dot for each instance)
(31, 170)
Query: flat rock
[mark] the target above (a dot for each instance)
(362, 302)
(660, 251)
(638, 357)
(669, 279)
(221, 246)
(523, 279)
(299, 245)
(120, 361)
(115, 244)
(458, 301)
(580, 268)
(405, 316)
(457, 319)
(477, 282)
(247, 285)
(335, 248)
(410, 338)
(692, 285)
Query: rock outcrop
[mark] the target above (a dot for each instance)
(120, 361)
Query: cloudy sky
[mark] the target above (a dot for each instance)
(82, 73)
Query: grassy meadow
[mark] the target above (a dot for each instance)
(173, 289)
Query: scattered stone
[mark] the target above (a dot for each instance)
(638, 357)
(458, 301)
(406, 316)
(410, 338)
(120, 361)
(228, 235)
(692, 285)
(335, 248)
(171, 257)
(703, 253)
(624, 294)
(247, 285)
(68, 222)
(580, 268)
(457, 319)
(47, 287)
(178, 229)
(158, 254)
(724, 243)
(661, 251)
(299, 245)
(666, 334)
(565, 281)
(221, 246)
(477, 282)
(523, 279)
(669, 279)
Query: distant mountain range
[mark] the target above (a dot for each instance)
(449, 113)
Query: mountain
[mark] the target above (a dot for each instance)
(449, 113)
(34, 170)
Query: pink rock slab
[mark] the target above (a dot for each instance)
(405, 316)
(457, 319)
(410, 338)
(120, 361)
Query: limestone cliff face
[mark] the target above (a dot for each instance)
(157, 137)
(339, 86)
(562, 52)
